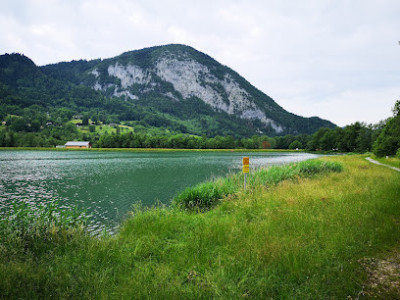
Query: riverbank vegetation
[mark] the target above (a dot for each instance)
(304, 237)
(205, 195)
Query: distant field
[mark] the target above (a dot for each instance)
(102, 128)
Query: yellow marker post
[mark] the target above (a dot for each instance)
(246, 169)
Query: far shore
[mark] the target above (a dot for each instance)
(148, 149)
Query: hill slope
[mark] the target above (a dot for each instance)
(172, 85)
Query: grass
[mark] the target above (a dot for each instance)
(298, 238)
(206, 195)
(37, 229)
(392, 161)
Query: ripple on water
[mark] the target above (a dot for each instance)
(107, 184)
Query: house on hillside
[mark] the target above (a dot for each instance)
(78, 145)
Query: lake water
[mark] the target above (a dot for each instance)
(107, 184)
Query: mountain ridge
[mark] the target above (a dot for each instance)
(180, 82)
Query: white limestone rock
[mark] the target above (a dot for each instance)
(129, 74)
(126, 94)
(190, 79)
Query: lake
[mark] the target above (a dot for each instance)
(107, 184)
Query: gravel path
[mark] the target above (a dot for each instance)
(378, 163)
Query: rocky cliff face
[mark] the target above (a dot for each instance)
(181, 83)
(190, 79)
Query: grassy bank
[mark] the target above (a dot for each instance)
(303, 236)
(206, 195)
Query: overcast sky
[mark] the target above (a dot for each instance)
(339, 60)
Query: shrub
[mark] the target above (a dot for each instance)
(204, 195)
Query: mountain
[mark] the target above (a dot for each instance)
(172, 86)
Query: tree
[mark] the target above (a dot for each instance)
(85, 120)
(351, 133)
(328, 141)
(396, 108)
(315, 141)
(364, 140)
(295, 145)
(17, 124)
(388, 142)
(35, 126)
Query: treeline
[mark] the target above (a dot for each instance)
(181, 141)
(357, 137)
(47, 137)
(383, 138)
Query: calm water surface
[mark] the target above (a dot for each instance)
(107, 184)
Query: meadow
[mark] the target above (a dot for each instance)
(309, 230)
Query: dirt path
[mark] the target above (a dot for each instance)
(383, 277)
(378, 163)
(383, 274)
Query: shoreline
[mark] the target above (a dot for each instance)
(148, 150)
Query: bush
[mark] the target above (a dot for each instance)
(205, 195)
(398, 153)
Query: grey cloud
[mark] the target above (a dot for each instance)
(311, 56)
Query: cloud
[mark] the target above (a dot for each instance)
(368, 106)
(314, 57)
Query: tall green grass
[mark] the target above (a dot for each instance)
(25, 229)
(206, 195)
(48, 253)
(300, 239)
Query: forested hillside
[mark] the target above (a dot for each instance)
(163, 90)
